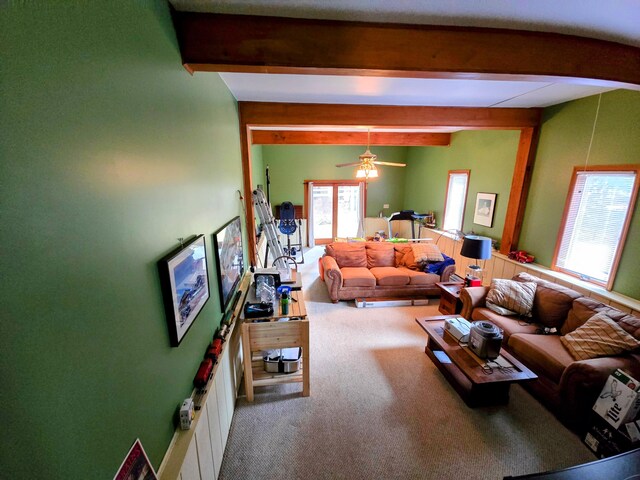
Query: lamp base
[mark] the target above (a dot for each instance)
(473, 276)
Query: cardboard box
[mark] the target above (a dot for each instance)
(606, 441)
(619, 401)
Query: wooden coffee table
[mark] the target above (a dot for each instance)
(464, 371)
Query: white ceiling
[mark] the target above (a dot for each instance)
(401, 91)
(614, 20)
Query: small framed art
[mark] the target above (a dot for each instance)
(485, 204)
(136, 465)
(184, 280)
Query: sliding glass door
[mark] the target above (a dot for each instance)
(336, 209)
(322, 213)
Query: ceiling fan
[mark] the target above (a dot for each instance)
(367, 164)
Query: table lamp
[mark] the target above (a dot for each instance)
(478, 248)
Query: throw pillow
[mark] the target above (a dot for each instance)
(348, 254)
(508, 297)
(380, 254)
(600, 336)
(426, 252)
(409, 260)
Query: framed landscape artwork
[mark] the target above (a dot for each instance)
(185, 286)
(485, 204)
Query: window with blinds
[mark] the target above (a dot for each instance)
(597, 216)
(456, 198)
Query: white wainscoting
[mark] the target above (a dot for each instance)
(500, 266)
(196, 454)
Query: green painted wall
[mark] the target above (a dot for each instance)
(564, 142)
(489, 155)
(110, 152)
(290, 166)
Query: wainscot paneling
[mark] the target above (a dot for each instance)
(500, 266)
(196, 454)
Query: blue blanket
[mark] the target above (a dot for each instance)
(438, 267)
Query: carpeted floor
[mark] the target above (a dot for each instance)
(380, 409)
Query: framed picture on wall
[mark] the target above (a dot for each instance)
(485, 204)
(185, 286)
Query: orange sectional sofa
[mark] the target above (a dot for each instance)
(376, 269)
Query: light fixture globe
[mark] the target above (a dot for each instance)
(367, 168)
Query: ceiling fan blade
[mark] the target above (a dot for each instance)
(354, 164)
(391, 164)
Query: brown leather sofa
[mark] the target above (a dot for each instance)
(375, 269)
(568, 387)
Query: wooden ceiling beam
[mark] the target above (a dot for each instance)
(322, 114)
(290, 137)
(260, 44)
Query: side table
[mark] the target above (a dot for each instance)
(450, 303)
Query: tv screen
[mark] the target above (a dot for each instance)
(229, 260)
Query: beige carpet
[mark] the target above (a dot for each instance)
(380, 409)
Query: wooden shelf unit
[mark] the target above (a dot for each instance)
(269, 333)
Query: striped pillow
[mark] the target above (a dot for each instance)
(508, 297)
(600, 336)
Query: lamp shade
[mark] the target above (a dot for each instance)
(474, 246)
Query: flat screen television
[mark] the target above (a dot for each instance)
(229, 260)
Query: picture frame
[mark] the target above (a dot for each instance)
(136, 465)
(184, 279)
(485, 206)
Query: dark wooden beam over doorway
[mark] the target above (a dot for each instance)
(294, 137)
(260, 44)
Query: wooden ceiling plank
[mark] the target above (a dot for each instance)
(287, 137)
(260, 44)
(321, 114)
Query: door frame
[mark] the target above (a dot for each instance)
(334, 184)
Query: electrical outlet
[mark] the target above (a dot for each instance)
(386, 205)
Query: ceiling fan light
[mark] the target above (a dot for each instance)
(373, 173)
(361, 173)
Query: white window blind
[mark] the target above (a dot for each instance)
(597, 212)
(455, 201)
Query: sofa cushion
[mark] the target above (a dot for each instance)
(600, 336)
(552, 301)
(508, 297)
(584, 308)
(348, 254)
(357, 277)
(380, 254)
(544, 354)
(420, 278)
(390, 276)
(509, 325)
